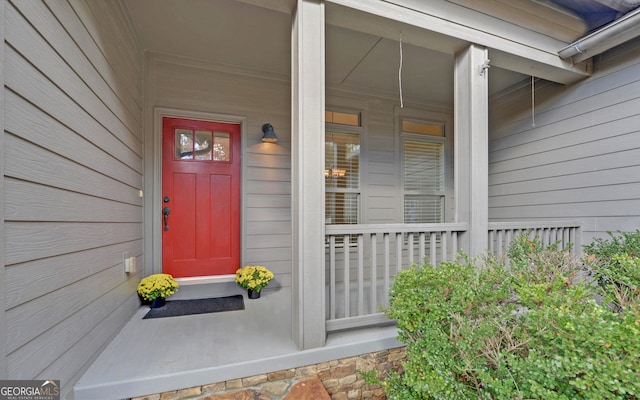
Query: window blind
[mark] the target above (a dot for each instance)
(423, 174)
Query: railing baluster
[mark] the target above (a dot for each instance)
(507, 244)
(360, 274)
(545, 238)
(346, 276)
(332, 277)
(499, 244)
(374, 273)
(454, 244)
(387, 271)
(492, 247)
(410, 242)
(433, 248)
(443, 245)
(398, 252)
(421, 248)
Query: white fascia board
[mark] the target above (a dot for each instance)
(448, 28)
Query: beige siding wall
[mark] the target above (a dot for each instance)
(581, 159)
(73, 170)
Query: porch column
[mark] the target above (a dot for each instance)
(471, 147)
(307, 173)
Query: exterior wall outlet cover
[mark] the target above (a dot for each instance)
(130, 265)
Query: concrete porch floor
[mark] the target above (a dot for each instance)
(165, 354)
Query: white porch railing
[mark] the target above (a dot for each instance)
(362, 260)
(565, 233)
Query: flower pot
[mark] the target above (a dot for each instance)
(157, 302)
(253, 294)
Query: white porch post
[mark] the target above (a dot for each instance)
(307, 170)
(471, 146)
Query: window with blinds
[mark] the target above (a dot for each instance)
(423, 172)
(342, 167)
(342, 177)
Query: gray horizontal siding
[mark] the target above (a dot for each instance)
(381, 197)
(3, 281)
(581, 159)
(72, 147)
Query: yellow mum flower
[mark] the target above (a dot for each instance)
(157, 285)
(253, 277)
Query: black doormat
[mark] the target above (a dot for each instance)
(174, 308)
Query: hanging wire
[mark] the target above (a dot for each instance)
(400, 73)
(533, 101)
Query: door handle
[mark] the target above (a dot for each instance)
(165, 214)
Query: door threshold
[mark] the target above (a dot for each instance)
(199, 280)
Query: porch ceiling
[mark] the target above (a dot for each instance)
(239, 33)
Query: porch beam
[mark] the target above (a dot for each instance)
(471, 158)
(447, 27)
(307, 173)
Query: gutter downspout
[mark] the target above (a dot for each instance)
(605, 38)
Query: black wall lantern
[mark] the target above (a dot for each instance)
(268, 134)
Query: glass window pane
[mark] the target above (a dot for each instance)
(202, 146)
(221, 146)
(423, 209)
(423, 166)
(342, 160)
(342, 118)
(341, 208)
(184, 144)
(424, 128)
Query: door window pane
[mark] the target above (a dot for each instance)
(202, 146)
(221, 146)
(184, 144)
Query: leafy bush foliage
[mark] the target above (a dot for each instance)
(616, 262)
(530, 330)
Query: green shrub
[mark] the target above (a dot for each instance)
(616, 262)
(527, 331)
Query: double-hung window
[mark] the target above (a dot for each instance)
(423, 170)
(342, 167)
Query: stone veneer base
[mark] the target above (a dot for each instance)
(339, 378)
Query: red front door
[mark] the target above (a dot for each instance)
(200, 197)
